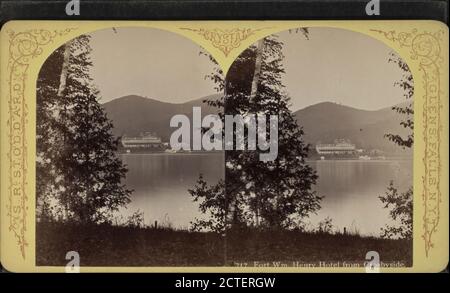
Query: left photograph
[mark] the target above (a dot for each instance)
(109, 184)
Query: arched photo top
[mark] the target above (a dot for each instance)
(147, 62)
(322, 64)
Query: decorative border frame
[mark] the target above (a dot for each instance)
(424, 48)
(225, 40)
(23, 47)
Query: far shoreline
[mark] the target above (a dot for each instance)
(388, 159)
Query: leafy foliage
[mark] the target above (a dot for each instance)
(272, 194)
(135, 220)
(79, 173)
(213, 204)
(325, 226)
(48, 142)
(407, 84)
(401, 206)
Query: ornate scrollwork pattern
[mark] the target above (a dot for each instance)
(226, 40)
(425, 48)
(23, 48)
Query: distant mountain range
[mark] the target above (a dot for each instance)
(132, 115)
(323, 122)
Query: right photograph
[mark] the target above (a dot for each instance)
(340, 192)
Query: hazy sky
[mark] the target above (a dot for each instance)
(333, 65)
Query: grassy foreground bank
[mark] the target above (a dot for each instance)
(106, 245)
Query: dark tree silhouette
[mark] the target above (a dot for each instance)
(407, 111)
(79, 173)
(48, 138)
(401, 210)
(212, 203)
(265, 194)
(401, 203)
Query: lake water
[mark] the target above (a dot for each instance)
(351, 188)
(161, 182)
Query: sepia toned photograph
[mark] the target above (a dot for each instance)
(149, 154)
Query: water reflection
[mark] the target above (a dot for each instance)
(351, 188)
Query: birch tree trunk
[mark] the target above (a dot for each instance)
(253, 91)
(64, 69)
(256, 74)
(62, 105)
